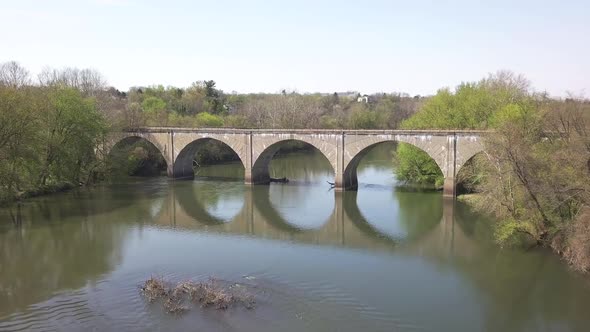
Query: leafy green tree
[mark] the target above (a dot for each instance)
(19, 125)
(416, 166)
(71, 131)
(209, 120)
(153, 104)
(472, 106)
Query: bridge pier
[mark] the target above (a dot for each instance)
(345, 181)
(450, 167)
(450, 187)
(256, 175)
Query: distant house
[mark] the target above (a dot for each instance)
(362, 99)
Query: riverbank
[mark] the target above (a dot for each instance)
(36, 192)
(571, 244)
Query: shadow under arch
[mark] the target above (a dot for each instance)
(183, 165)
(128, 141)
(260, 168)
(191, 204)
(350, 176)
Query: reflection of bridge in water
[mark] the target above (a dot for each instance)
(346, 226)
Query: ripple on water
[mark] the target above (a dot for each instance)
(321, 304)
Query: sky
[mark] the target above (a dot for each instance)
(410, 46)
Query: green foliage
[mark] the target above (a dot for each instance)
(236, 121)
(329, 122)
(153, 104)
(416, 166)
(71, 129)
(488, 103)
(506, 231)
(209, 120)
(363, 118)
(52, 134)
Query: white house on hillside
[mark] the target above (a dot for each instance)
(363, 99)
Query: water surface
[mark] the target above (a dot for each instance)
(380, 259)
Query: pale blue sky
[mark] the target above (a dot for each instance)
(259, 46)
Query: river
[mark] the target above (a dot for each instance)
(380, 259)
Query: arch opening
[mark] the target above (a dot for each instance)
(292, 160)
(470, 174)
(136, 156)
(204, 157)
(409, 164)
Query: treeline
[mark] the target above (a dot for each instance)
(203, 105)
(535, 173)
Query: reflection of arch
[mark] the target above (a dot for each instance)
(189, 202)
(415, 220)
(262, 155)
(261, 198)
(183, 165)
(355, 215)
(257, 216)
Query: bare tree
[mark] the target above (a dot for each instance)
(12, 74)
(89, 81)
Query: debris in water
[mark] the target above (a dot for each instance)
(153, 289)
(211, 293)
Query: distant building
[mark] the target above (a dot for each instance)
(363, 99)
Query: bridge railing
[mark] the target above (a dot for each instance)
(309, 131)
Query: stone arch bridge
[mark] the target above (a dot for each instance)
(344, 149)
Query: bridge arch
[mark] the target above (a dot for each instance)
(450, 151)
(157, 140)
(186, 143)
(183, 163)
(263, 152)
(467, 148)
(357, 148)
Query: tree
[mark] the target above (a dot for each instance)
(361, 117)
(88, 81)
(214, 97)
(209, 120)
(72, 127)
(19, 126)
(153, 104)
(472, 106)
(413, 165)
(13, 75)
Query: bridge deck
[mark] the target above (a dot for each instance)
(309, 131)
